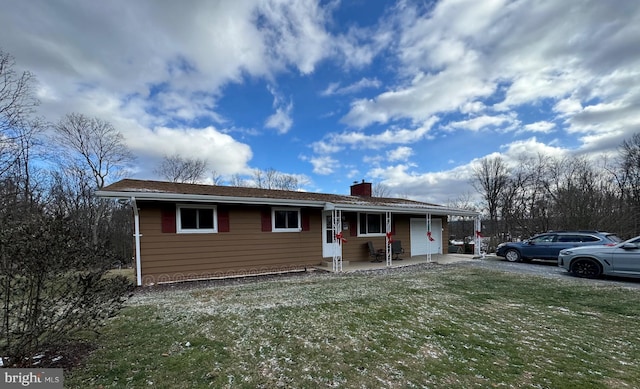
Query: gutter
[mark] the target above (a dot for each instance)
(177, 197)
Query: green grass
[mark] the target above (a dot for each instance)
(444, 327)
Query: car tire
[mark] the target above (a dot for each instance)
(586, 268)
(512, 255)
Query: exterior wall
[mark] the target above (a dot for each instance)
(244, 249)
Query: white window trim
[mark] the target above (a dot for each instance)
(181, 230)
(382, 225)
(273, 220)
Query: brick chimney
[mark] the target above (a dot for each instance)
(361, 189)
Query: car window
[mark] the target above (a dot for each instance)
(589, 238)
(614, 238)
(543, 238)
(572, 238)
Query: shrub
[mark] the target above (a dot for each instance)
(53, 282)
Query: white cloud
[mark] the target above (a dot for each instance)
(513, 152)
(161, 62)
(401, 153)
(356, 139)
(461, 52)
(542, 126)
(281, 120)
(426, 95)
(323, 165)
(295, 32)
(433, 187)
(567, 106)
(480, 122)
(224, 154)
(472, 107)
(365, 83)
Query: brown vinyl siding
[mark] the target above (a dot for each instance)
(244, 249)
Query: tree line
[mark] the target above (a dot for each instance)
(57, 240)
(542, 193)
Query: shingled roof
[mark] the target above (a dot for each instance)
(171, 191)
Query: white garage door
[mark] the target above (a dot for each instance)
(420, 244)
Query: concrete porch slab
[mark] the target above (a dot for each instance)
(442, 259)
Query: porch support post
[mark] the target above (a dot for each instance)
(388, 252)
(137, 235)
(428, 219)
(336, 232)
(478, 238)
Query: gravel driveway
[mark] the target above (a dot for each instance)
(546, 269)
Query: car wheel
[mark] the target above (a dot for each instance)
(512, 255)
(587, 268)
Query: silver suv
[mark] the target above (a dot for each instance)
(548, 245)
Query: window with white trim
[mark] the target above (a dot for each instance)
(198, 219)
(286, 220)
(371, 224)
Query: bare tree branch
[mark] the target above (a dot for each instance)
(380, 190)
(175, 168)
(94, 144)
(17, 104)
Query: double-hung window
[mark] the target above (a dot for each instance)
(197, 219)
(286, 220)
(371, 224)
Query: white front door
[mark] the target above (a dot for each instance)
(327, 235)
(420, 244)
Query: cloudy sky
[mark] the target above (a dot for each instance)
(410, 94)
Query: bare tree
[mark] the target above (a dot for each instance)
(175, 168)
(273, 179)
(490, 178)
(17, 105)
(52, 282)
(380, 190)
(628, 180)
(237, 180)
(216, 179)
(93, 144)
(90, 151)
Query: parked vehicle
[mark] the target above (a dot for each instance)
(548, 245)
(622, 259)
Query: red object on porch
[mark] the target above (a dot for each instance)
(429, 236)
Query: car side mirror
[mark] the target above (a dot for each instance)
(629, 246)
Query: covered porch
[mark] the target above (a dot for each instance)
(422, 233)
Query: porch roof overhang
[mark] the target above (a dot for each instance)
(143, 190)
(353, 206)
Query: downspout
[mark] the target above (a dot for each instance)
(136, 234)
